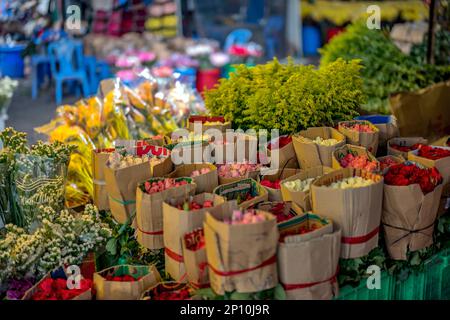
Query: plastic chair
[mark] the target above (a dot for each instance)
(238, 36)
(272, 35)
(40, 68)
(67, 65)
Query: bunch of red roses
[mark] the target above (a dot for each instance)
(56, 289)
(405, 148)
(168, 292)
(405, 174)
(433, 153)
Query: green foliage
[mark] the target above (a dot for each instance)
(441, 50)
(386, 69)
(123, 248)
(288, 97)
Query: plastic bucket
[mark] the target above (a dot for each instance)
(187, 76)
(376, 119)
(311, 40)
(11, 61)
(207, 79)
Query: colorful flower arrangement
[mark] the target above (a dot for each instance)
(56, 289)
(358, 162)
(433, 153)
(352, 182)
(235, 170)
(405, 148)
(299, 185)
(163, 184)
(245, 217)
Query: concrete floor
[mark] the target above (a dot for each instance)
(25, 114)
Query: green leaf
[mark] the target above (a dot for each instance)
(280, 294)
(111, 246)
(240, 296)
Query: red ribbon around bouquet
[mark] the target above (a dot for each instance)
(361, 239)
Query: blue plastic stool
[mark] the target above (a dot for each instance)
(311, 40)
(67, 65)
(11, 61)
(238, 36)
(40, 68)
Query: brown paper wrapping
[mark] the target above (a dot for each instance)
(130, 290)
(310, 154)
(407, 209)
(252, 175)
(356, 211)
(387, 131)
(176, 223)
(368, 140)
(99, 159)
(149, 213)
(354, 150)
(423, 113)
(442, 142)
(238, 248)
(299, 197)
(121, 185)
(86, 295)
(284, 157)
(189, 154)
(316, 279)
(275, 194)
(230, 191)
(403, 141)
(196, 266)
(205, 182)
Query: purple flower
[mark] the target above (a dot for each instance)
(18, 287)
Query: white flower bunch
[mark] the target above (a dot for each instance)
(7, 86)
(62, 238)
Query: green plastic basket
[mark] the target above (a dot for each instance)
(386, 291)
(431, 284)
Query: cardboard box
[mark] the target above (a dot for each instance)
(310, 154)
(241, 257)
(149, 212)
(368, 140)
(176, 224)
(299, 197)
(356, 211)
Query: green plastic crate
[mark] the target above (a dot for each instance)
(431, 284)
(361, 292)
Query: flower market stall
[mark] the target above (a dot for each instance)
(151, 191)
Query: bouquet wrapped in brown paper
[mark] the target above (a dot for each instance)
(196, 152)
(360, 133)
(281, 152)
(204, 175)
(194, 253)
(314, 146)
(346, 157)
(410, 211)
(241, 257)
(282, 210)
(296, 188)
(124, 282)
(353, 199)
(423, 112)
(246, 147)
(272, 182)
(233, 172)
(402, 145)
(150, 196)
(205, 123)
(388, 161)
(123, 172)
(99, 159)
(246, 192)
(386, 124)
(428, 156)
(180, 216)
(309, 237)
